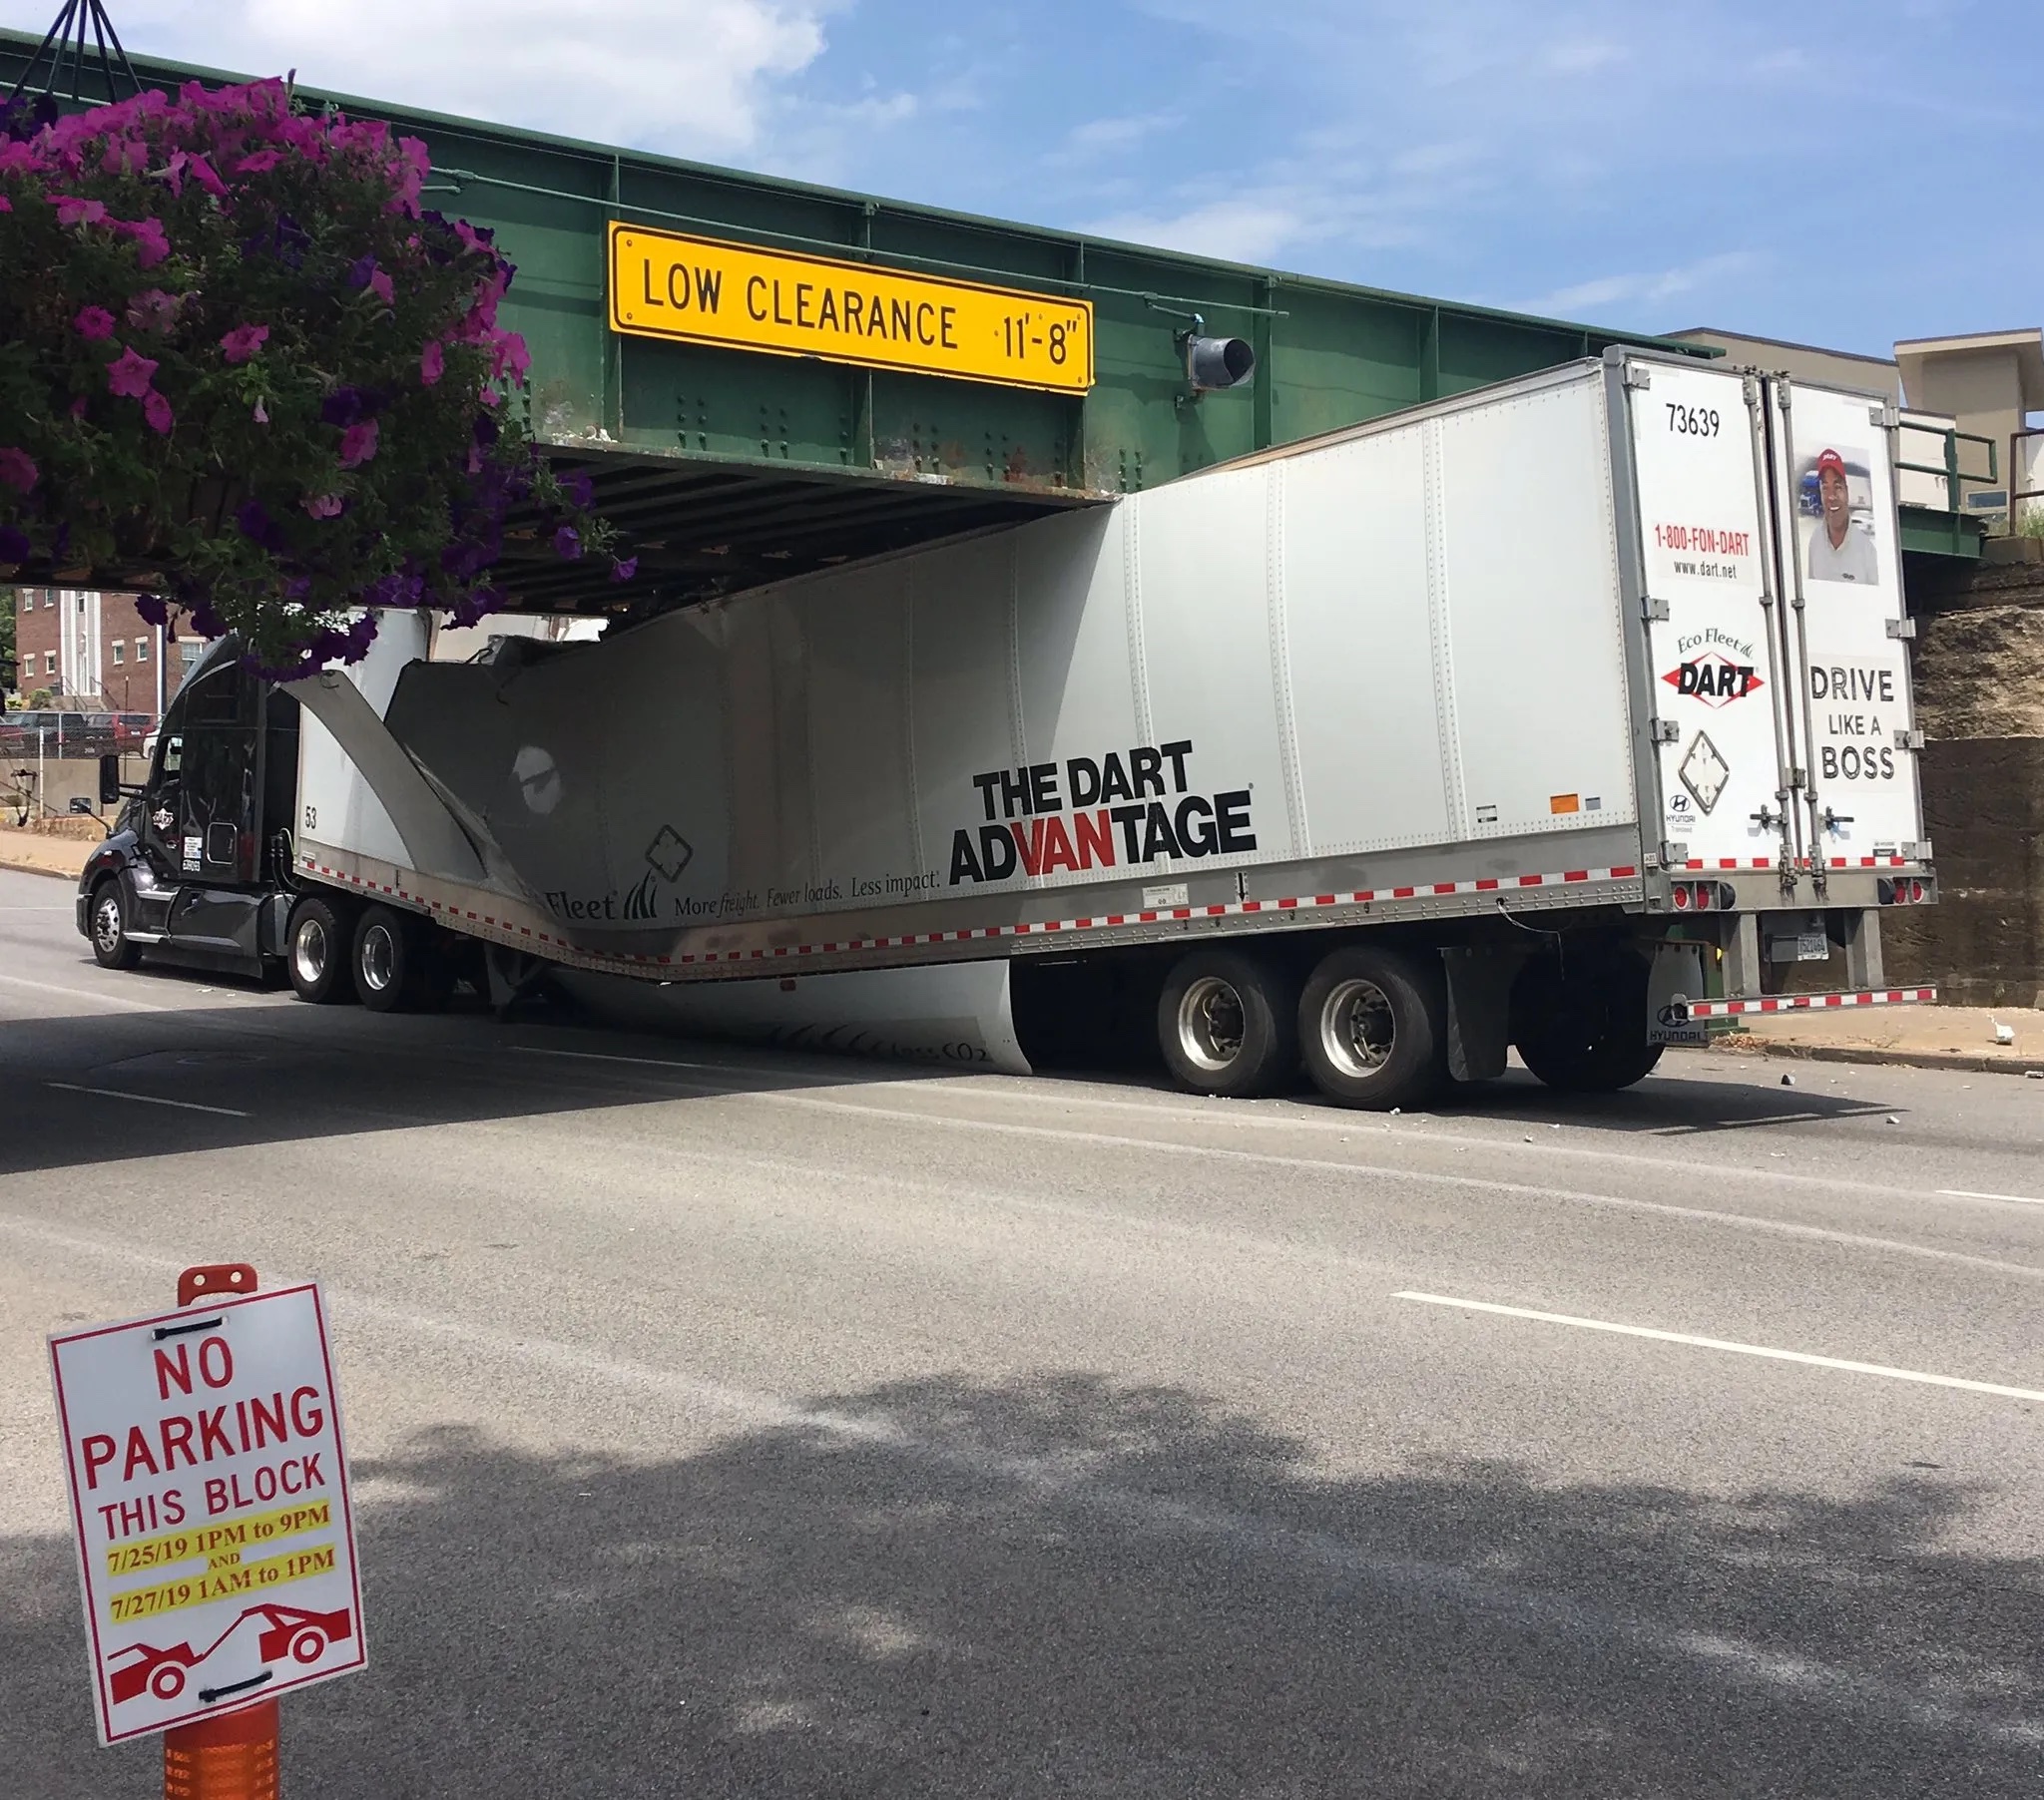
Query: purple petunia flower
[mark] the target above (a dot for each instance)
(580, 490)
(359, 271)
(93, 322)
(568, 541)
(157, 410)
(243, 341)
(130, 375)
(357, 444)
(18, 469)
(14, 548)
(624, 570)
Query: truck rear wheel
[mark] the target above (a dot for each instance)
(1580, 1022)
(389, 960)
(1225, 1021)
(317, 952)
(1372, 1025)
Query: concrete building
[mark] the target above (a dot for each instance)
(1988, 382)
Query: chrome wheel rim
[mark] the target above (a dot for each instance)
(1359, 1030)
(1210, 1024)
(106, 924)
(379, 958)
(310, 952)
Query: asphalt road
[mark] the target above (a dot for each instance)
(733, 1424)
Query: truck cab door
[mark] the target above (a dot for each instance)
(158, 822)
(215, 909)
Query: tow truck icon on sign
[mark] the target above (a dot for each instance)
(290, 1632)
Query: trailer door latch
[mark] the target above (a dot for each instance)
(1652, 609)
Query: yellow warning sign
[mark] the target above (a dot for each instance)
(702, 291)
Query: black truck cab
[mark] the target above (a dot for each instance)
(198, 866)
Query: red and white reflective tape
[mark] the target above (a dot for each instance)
(1810, 1003)
(1489, 884)
(1767, 862)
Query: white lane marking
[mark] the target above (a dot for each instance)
(1317, 1166)
(1966, 1194)
(148, 1099)
(725, 1068)
(118, 1000)
(1718, 1343)
(1066, 1479)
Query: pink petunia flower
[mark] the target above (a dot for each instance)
(380, 286)
(129, 375)
(72, 210)
(261, 414)
(157, 410)
(93, 323)
(357, 444)
(155, 310)
(324, 506)
(243, 341)
(259, 163)
(151, 243)
(18, 469)
(432, 363)
(6, 204)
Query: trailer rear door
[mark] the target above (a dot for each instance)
(1720, 751)
(1851, 717)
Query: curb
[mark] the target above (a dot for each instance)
(35, 868)
(1898, 1059)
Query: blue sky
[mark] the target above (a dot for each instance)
(1841, 173)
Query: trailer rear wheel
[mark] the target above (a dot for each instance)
(317, 952)
(1225, 1021)
(1580, 1023)
(1373, 1027)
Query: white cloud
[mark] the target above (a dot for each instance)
(1098, 137)
(687, 75)
(1236, 230)
(1583, 56)
(1644, 288)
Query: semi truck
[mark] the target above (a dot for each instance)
(1545, 716)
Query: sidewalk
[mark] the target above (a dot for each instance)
(1931, 1036)
(36, 853)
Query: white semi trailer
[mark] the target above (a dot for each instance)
(1573, 714)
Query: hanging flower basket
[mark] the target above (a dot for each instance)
(255, 376)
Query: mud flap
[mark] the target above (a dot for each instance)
(1479, 1011)
(1675, 979)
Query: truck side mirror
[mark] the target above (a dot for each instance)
(80, 804)
(110, 782)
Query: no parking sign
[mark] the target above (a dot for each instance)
(208, 1499)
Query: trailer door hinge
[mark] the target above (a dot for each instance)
(1902, 627)
(1652, 609)
(1674, 855)
(1664, 730)
(1885, 415)
(1909, 740)
(1917, 852)
(1638, 375)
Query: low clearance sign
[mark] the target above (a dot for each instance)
(208, 1499)
(705, 290)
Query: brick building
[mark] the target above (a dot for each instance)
(94, 653)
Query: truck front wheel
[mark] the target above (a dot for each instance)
(1374, 1027)
(1224, 1022)
(1579, 1021)
(317, 952)
(111, 947)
